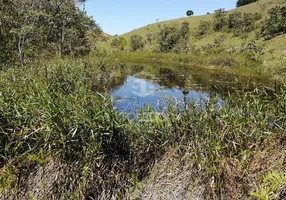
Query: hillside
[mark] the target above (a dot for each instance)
(261, 6)
(274, 50)
(106, 35)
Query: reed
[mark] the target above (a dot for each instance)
(55, 123)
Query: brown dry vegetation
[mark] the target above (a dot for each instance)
(176, 176)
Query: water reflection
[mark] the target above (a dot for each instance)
(138, 93)
(152, 86)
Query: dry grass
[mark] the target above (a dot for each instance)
(176, 176)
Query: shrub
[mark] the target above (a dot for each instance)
(249, 20)
(219, 19)
(235, 20)
(149, 38)
(204, 27)
(276, 23)
(119, 43)
(181, 46)
(185, 30)
(242, 23)
(136, 42)
(252, 50)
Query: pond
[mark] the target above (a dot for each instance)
(156, 86)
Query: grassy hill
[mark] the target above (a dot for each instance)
(261, 6)
(274, 50)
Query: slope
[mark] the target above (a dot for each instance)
(274, 50)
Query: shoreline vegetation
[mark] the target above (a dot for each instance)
(56, 127)
(216, 64)
(61, 138)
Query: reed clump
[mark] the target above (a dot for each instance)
(62, 139)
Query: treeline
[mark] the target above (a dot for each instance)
(31, 27)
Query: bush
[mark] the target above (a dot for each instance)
(181, 47)
(149, 38)
(204, 27)
(242, 23)
(119, 43)
(219, 19)
(276, 24)
(185, 30)
(252, 50)
(136, 42)
(235, 20)
(249, 20)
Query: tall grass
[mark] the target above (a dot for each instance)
(219, 62)
(53, 113)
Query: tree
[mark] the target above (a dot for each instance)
(171, 39)
(119, 43)
(219, 19)
(136, 42)
(190, 13)
(168, 37)
(244, 2)
(33, 26)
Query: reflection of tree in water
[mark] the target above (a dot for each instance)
(174, 77)
(105, 82)
(170, 78)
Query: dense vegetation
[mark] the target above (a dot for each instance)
(276, 23)
(244, 2)
(29, 28)
(61, 138)
(52, 113)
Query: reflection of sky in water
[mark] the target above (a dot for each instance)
(138, 93)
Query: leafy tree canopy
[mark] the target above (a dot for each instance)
(30, 27)
(244, 2)
(190, 13)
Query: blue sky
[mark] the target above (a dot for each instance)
(121, 16)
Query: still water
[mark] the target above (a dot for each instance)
(155, 87)
(138, 93)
